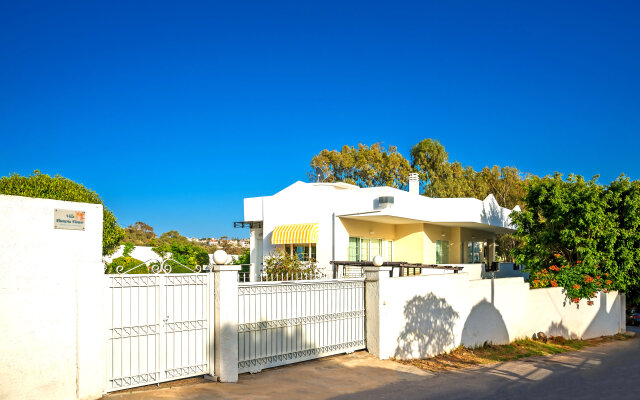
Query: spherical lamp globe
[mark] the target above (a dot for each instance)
(378, 261)
(220, 257)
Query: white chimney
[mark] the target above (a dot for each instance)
(414, 183)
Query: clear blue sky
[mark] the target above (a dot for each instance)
(175, 111)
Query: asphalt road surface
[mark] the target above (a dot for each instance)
(609, 371)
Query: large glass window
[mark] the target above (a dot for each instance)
(361, 249)
(442, 252)
(354, 249)
(364, 249)
(389, 256)
(376, 248)
(474, 254)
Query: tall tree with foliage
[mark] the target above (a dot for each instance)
(431, 161)
(505, 183)
(59, 188)
(623, 207)
(363, 166)
(580, 235)
(140, 234)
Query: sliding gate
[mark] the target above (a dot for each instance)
(158, 327)
(291, 321)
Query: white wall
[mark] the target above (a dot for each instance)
(422, 316)
(51, 303)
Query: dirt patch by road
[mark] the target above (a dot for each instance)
(463, 357)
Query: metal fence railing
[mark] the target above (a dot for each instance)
(291, 321)
(293, 276)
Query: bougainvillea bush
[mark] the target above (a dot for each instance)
(579, 280)
(580, 235)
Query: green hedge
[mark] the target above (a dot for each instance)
(43, 186)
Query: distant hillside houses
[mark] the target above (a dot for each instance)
(244, 243)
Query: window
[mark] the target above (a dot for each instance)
(474, 255)
(304, 252)
(354, 249)
(364, 249)
(376, 248)
(442, 251)
(361, 249)
(389, 256)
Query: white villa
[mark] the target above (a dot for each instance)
(339, 221)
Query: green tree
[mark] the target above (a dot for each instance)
(40, 185)
(623, 250)
(127, 249)
(244, 258)
(431, 161)
(363, 166)
(185, 253)
(169, 238)
(568, 230)
(506, 184)
(140, 234)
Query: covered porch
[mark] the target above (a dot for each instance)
(401, 239)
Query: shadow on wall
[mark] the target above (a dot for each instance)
(429, 327)
(492, 213)
(601, 323)
(484, 325)
(558, 329)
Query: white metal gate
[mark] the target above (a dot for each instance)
(158, 328)
(287, 322)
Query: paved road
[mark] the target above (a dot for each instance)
(608, 371)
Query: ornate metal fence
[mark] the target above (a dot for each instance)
(287, 322)
(158, 327)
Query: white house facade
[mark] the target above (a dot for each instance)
(339, 221)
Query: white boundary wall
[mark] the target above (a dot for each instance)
(422, 316)
(51, 303)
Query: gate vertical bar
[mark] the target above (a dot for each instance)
(211, 356)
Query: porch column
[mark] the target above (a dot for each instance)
(375, 279)
(226, 322)
(491, 253)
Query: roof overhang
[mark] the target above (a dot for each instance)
(385, 217)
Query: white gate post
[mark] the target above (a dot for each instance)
(375, 278)
(226, 322)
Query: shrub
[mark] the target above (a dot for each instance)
(186, 254)
(245, 258)
(579, 280)
(43, 186)
(126, 263)
(282, 266)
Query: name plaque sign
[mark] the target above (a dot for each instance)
(68, 219)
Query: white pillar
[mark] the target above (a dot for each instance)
(226, 322)
(375, 278)
(255, 254)
(623, 312)
(492, 251)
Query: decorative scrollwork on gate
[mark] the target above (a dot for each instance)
(164, 266)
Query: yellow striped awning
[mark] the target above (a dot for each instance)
(295, 233)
